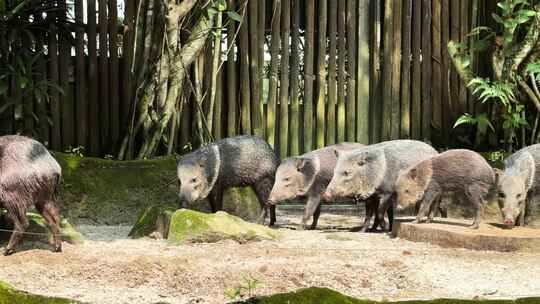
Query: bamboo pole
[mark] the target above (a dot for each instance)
(216, 63)
(375, 91)
(436, 89)
(321, 72)
(332, 80)
(295, 73)
(245, 93)
(351, 70)
(308, 75)
(114, 92)
(362, 73)
(273, 86)
(396, 70)
(104, 112)
(405, 131)
(416, 108)
(254, 60)
(232, 98)
(426, 71)
(261, 32)
(387, 69)
(342, 57)
(284, 81)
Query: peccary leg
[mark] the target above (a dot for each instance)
(17, 213)
(521, 218)
(475, 194)
(433, 209)
(313, 203)
(262, 190)
(316, 218)
(371, 208)
(384, 204)
(215, 198)
(443, 206)
(530, 208)
(425, 205)
(49, 210)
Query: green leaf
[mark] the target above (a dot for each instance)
(528, 13)
(477, 30)
(465, 119)
(497, 18)
(221, 5)
(234, 16)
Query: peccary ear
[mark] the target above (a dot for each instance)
(413, 173)
(201, 162)
(526, 166)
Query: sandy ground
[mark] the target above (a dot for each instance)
(112, 269)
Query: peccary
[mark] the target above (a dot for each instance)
(231, 162)
(373, 170)
(462, 172)
(519, 186)
(306, 176)
(29, 175)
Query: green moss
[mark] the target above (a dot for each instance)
(39, 226)
(99, 191)
(192, 226)
(243, 203)
(149, 221)
(328, 296)
(9, 295)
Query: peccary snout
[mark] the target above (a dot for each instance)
(509, 223)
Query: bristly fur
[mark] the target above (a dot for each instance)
(29, 175)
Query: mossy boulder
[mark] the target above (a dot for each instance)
(154, 222)
(242, 202)
(38, 230)
(328, 296)
(192, 226)
(111, 192)
(9, 295)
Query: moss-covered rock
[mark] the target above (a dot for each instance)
(100, 191)
(192, 226)
(38, 230)
(242, 202)
(154, 222)
(328, 296)
(9, 295)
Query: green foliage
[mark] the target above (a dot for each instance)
(533, 69)
(244, 290)
(481, 121)
(493, 90)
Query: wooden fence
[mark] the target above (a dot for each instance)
(349, 70)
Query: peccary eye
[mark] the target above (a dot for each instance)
(345, 173)
(194, 180)
(518, 196)
(286, 179)
(502, 195)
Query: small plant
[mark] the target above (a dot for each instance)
(244, 290)
(79, 151)
(495, 156)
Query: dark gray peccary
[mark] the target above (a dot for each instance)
(306, 176)
(231, 162)
(462, 172)
(29, 175)
(373, 170)
(519, 186)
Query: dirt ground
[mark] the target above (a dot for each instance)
(109, 268)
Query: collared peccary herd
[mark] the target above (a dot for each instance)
(397, 173)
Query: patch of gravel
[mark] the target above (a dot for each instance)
(109, 268)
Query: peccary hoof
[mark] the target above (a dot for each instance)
(474, 226)
(9, 252)
(364, 229)
(58, 248)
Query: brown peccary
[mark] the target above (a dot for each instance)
(231, 162)
(519, 186)
(306, 177)
(462, 172)
(29, 175)
(373, 170)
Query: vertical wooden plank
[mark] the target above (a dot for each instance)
(127, 54)
(66, 102)
(446, 112)
(217, 132)
(56, 136)
(375, 91)
(295, 72)
(105, 123)
(362, 73)
(426, 71)
(41, 105)
(114, 92)
(273, 85)
(232, 98)
(342, 57)
(416, 108)
(388, 45)
(332, 80)
(261, 32)
(93, 100)
(406, 71)
(454, 78)
(321, 72)
(81, 107)
(245, 93)
(351, 69)
(254, 60)
(436, 87)
(284, 81)
(396, 70)
(464, 30)
(308, 75)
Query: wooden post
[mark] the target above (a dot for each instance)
(245, 93)
(308, 75)
(416, 109)
(284, 81)
(332, 80)
(362, 74)
(254, 60)
(387, 69)
(375, 91)
(321, 72)
(406, 71)
(396, 70)
(114, 91)
(342, 57)
(104, 112)
(56, 136)
(436, 87)
(80, 78)
(261, 32)
(273, 85)
(232, 98)
(93, 100)
(426, 71)
(446, 112)
(295, 73)
(351, 69)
